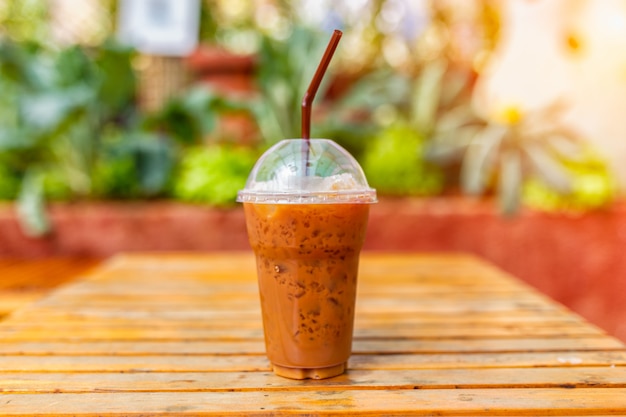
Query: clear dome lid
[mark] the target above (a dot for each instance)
(313, 172)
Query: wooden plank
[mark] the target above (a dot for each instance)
(381, 306)
(605, 377)
(522, 401)
(25, 275)
(77, 346)
(212, 296)
(365, 288)
(205, 294)
(204, 318)
(237, 267)
(244, 362)
(146, 274)
(254, 330)
(22, 282)
(381, 263)
(186, 286)
(10, 301)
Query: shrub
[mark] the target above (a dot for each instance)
(213, 174)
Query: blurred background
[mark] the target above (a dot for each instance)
(487, 126)
(147, 99)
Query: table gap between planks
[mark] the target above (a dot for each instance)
(181, 334)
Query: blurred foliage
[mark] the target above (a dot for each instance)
(394, 164)
(25, 21)
(284, 71)
(530, 155)
(53, 107)
(70, 127)
(213, 174)
(592, 187)
(395, 33)
(54, 24)
(398, 159)
(9, 183)
(58, 110)
(190, 116)
(132, 165)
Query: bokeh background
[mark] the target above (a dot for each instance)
(493, 127)
(515, 98)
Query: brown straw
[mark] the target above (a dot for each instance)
(307, 100)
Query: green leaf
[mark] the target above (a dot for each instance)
(20, 66)
(566, 144)
(213, 174)
(31, 206)
(49, 110)
(382, 87)
(456, 118)
(9, 183)
(200, 104)
(152, 157)
(427, 95)
(476, 167)
(154, 162)
(176, 120)
(450, 145)
(72, 66)
(548, 169)
(456, 83)
(118, 82)
(16, 138)
(394, 163)
(510, 187)
(285, 70)
(266, 120)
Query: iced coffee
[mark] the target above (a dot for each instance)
(306, 217)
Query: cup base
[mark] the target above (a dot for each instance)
(309, 373)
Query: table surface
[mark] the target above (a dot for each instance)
(23, 281)
(181, 334)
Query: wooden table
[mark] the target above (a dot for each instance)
(23, 281)
(181, 334)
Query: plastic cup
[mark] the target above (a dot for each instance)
(306, 206)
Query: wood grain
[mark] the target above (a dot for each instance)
(181, 334)
(24, 281)
(474, 402)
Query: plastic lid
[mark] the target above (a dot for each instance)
(293, 171)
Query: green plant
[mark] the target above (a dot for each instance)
(9, 183)
(592, 187)
(284, 71)
(394, 164)
(189, 117)
(132, 165)
(397, 159)
(57, 108)
(25, 20)
(213, 174)
(501, 153)
(351, 118)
